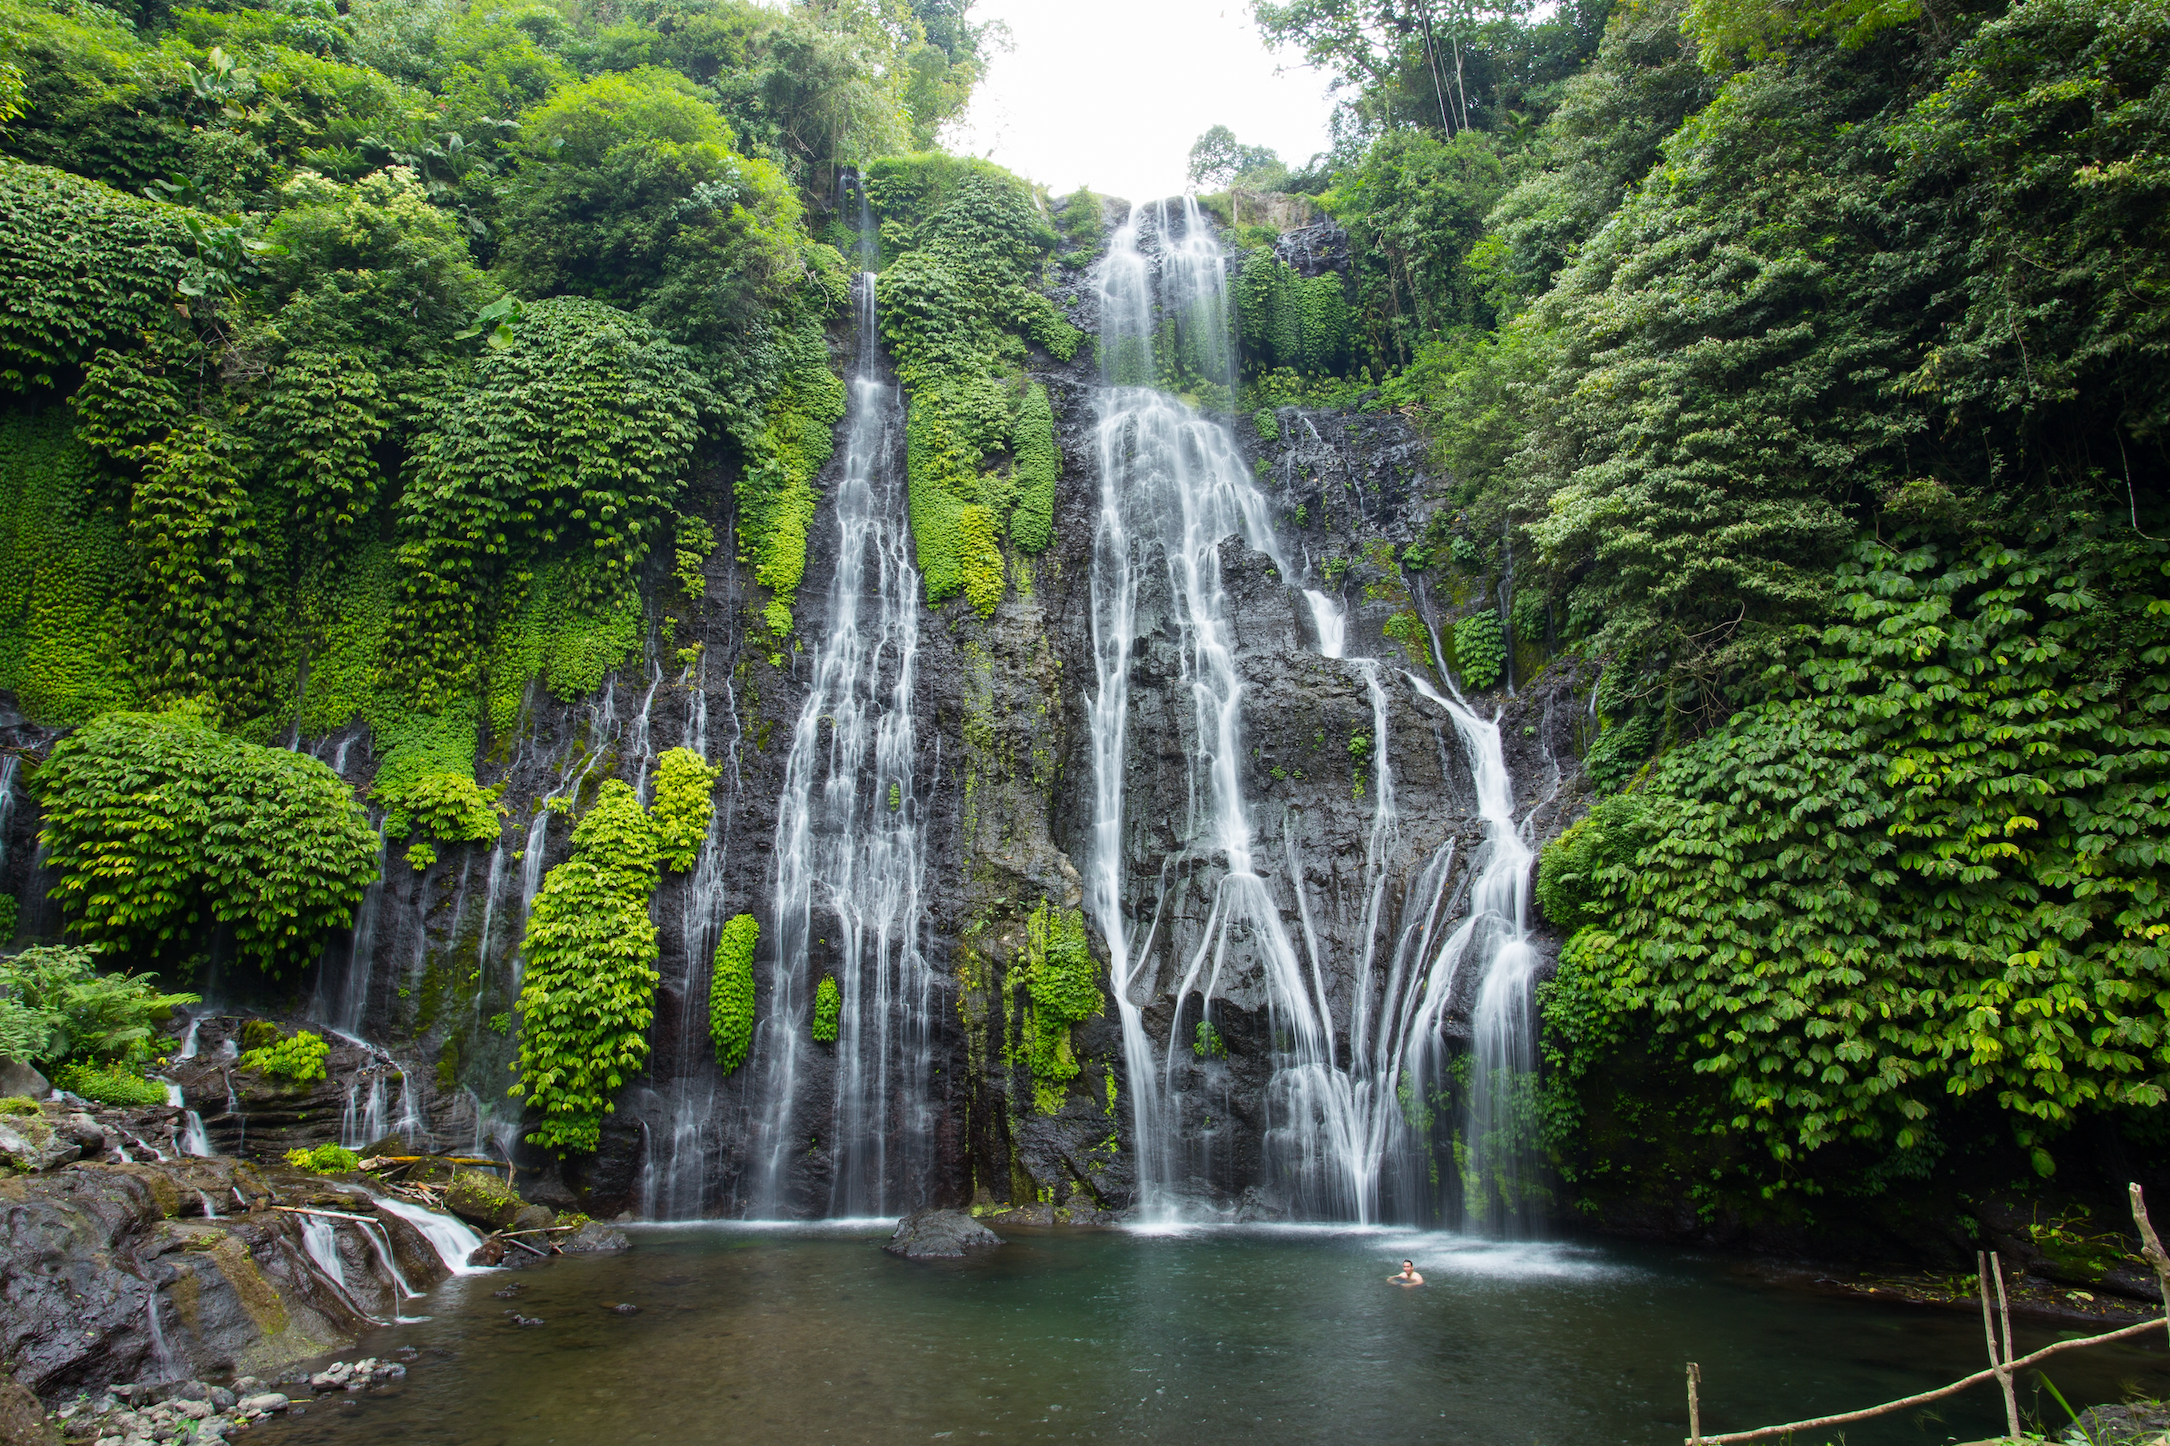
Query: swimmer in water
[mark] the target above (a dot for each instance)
(1407, 1275)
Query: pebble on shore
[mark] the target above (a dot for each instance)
(197, 1413)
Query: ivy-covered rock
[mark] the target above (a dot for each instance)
(731, 991)
(589, 993)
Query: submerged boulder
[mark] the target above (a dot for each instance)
(939, 1234)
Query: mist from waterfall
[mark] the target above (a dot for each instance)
(1346, 1136)
(850, 855)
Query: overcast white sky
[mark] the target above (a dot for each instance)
(1111, 93)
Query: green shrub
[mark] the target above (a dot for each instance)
(1206, 1042)
(589, 992)
(684, 802)
(1619, 751)
(324, 1160)
(828, 1005)
(1480, 649)
(109, 1084)
(1570, 871)
(55, 1005)
(19, 1105)
(731, 991)
(162, 829)
(300, 1058)
(1920, 875)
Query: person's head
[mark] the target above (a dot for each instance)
(1407, 1266)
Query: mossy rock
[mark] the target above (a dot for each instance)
(483, 1199)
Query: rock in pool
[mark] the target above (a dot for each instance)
(939, 1234)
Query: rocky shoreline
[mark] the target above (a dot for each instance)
(152, 1295)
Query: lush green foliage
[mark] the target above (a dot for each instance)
(828, 1008)
(576, 436)
(109, 1084)
(1480, 648)
(1285, 320)
(296, 356)
(1039, 464)
(161, 828)
(731, 991)
(298, 1057)
(64, 567)
(85, 264)
(1063, 985)
(589, 992)
(325, 1160)
(1926, 872)
(684, 802)
(966, 242)
(55, 1005)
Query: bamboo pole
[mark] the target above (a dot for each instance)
(1926, 1397)
(2004, 1312)
(1695, 1407)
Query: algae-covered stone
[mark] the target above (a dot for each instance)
(483, 1199)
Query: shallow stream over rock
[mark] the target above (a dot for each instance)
(812, 1333)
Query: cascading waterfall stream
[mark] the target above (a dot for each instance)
(1173, 486)
(1494, 940)
(1339, 1130)
(850, 848)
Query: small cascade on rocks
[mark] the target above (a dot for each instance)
(850, 856)
(194, 1140)
(449, 1237)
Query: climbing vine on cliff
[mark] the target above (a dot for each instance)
(731, 991)
(1063, 985)
(966, 242)
(589, 993)
(684, 802)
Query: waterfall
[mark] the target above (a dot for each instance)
(1493, 942)
(361, 953)
(450, 1238)
(850, 854)
(1344, 1135)
(1173, 486)
(639, 746)
(674, 1177)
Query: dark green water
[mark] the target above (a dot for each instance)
(762, 1334)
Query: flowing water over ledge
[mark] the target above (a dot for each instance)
(811, 1333)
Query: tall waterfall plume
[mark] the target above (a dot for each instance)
(1347, 1123)
(850, 858)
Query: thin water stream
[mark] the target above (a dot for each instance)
(1202, 1336)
